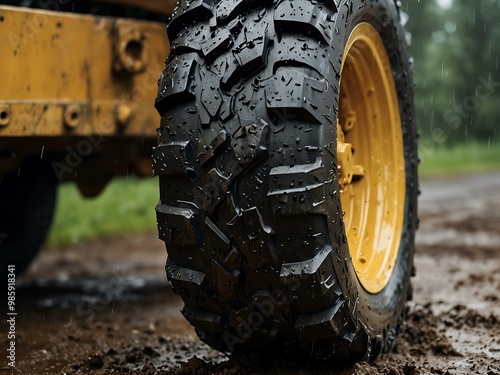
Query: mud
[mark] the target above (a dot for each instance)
(105, 307)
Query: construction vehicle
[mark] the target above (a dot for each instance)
(77, 86)
(287, 162)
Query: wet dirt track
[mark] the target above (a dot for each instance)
(105, 306)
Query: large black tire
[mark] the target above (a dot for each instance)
(249, 209)
(27, 202)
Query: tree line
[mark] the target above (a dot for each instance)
(456, 52)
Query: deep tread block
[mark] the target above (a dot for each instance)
(233, 259)
(235, 26)
(312, 281)
(271, 303)
(306, 268)
(203, 114)
(251, 235)
(258, 240)
(227, 109)
(177, 82)
(304, 16)
(211, 97)
(322, 324)
(300, 189)
(189, 40)
(175, 119)
(301, 200)
(217, 44)
(333, 4)
(251, 142)
(302, 52)
(204, 320)
(225, 279)
(264, 315)
(252, 55)
(216, 146)
(232, 72)
(184, 275)
(179, 226)
(227, 10)
(358, 346)
(297, 239)
(216, 186)
(287, 177)
(193, 284)
(188, 11)
(217, 244)
(294, 91)
(175, 158)
(223, 241)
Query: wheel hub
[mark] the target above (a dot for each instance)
(370, 156)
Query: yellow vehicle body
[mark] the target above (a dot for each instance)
(80, 84)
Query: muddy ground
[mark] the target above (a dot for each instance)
(105, 307)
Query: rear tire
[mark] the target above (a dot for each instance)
(251, 208)
(27, 202)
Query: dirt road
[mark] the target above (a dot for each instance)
(105, 307)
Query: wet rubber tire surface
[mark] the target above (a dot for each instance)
(250, 205)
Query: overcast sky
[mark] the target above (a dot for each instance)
(445, 3)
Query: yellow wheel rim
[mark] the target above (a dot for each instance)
(370, 158)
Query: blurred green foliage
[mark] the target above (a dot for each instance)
(125, 207)
(460, 158)
(456, 54)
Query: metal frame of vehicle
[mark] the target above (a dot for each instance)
(73, 80)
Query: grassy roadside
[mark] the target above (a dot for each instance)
(127, 206)
(464, 158)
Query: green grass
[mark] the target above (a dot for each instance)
(127, 206)
(464, 158)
